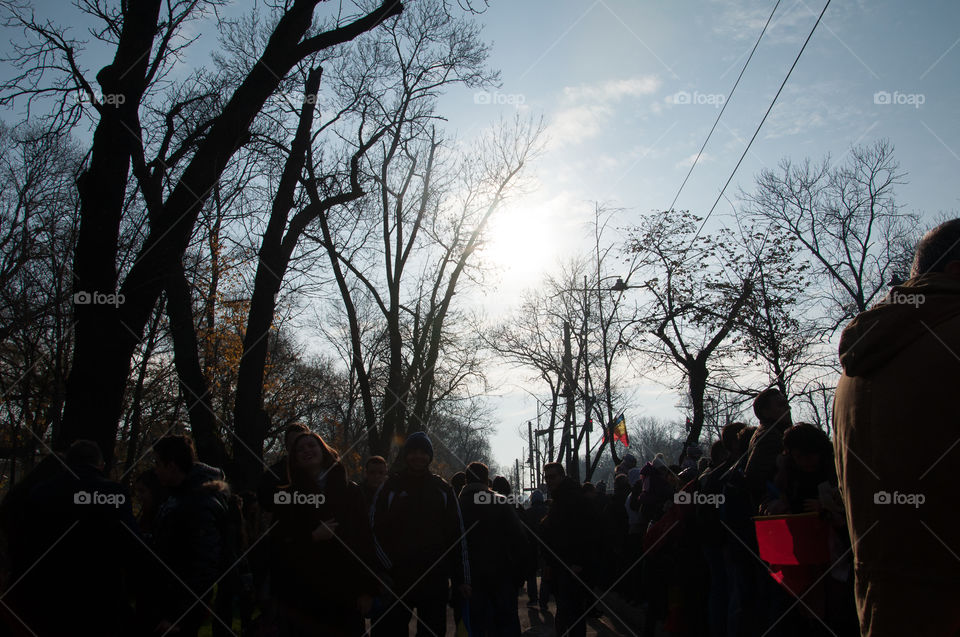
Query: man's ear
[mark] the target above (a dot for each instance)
(953, 269)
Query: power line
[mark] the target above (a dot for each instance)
(727, 101)
(760, 125)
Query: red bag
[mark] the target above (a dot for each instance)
(796, 547)
(794, 540)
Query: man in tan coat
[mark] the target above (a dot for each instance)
(897, 440)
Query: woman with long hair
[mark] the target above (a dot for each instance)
(324, 544)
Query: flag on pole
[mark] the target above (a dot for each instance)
(619, 430)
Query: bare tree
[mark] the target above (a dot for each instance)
(698, 286)
(38, 228)
(847, 220)
(145, 49)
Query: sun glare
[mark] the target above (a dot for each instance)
(522, 244)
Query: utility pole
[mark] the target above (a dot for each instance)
(531, 446)
(567, 442)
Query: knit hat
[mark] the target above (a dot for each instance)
(418, 440)
(536, 497)
(629, 460)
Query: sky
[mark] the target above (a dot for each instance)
(629, 90)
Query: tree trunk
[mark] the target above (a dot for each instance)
(193, 385)
(697, 384)
(102, 343)
(271, 267)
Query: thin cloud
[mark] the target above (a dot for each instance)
(613, 90)
(589, 108)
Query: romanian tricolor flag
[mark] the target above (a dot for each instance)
(619, 430)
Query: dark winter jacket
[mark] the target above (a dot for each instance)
(418, 530)
(649, 495)
(81, 541)
(766, 445)
(190, 535)
(570, 530)
(313, 574)
(496, 544)
(270, 482)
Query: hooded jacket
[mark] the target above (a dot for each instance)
(190, 532)
(897, 424)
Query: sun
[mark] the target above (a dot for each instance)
(521, 243)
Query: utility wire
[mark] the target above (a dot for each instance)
(759, 126)
(725, 103)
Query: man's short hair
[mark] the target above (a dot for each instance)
(556, 466)
(84, 452)
(374, 460)
(763, 400)
(478, 472)
(177, 449)
(937, 248)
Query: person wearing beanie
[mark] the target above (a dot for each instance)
(418, 531)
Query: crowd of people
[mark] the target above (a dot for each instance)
(311, 552)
